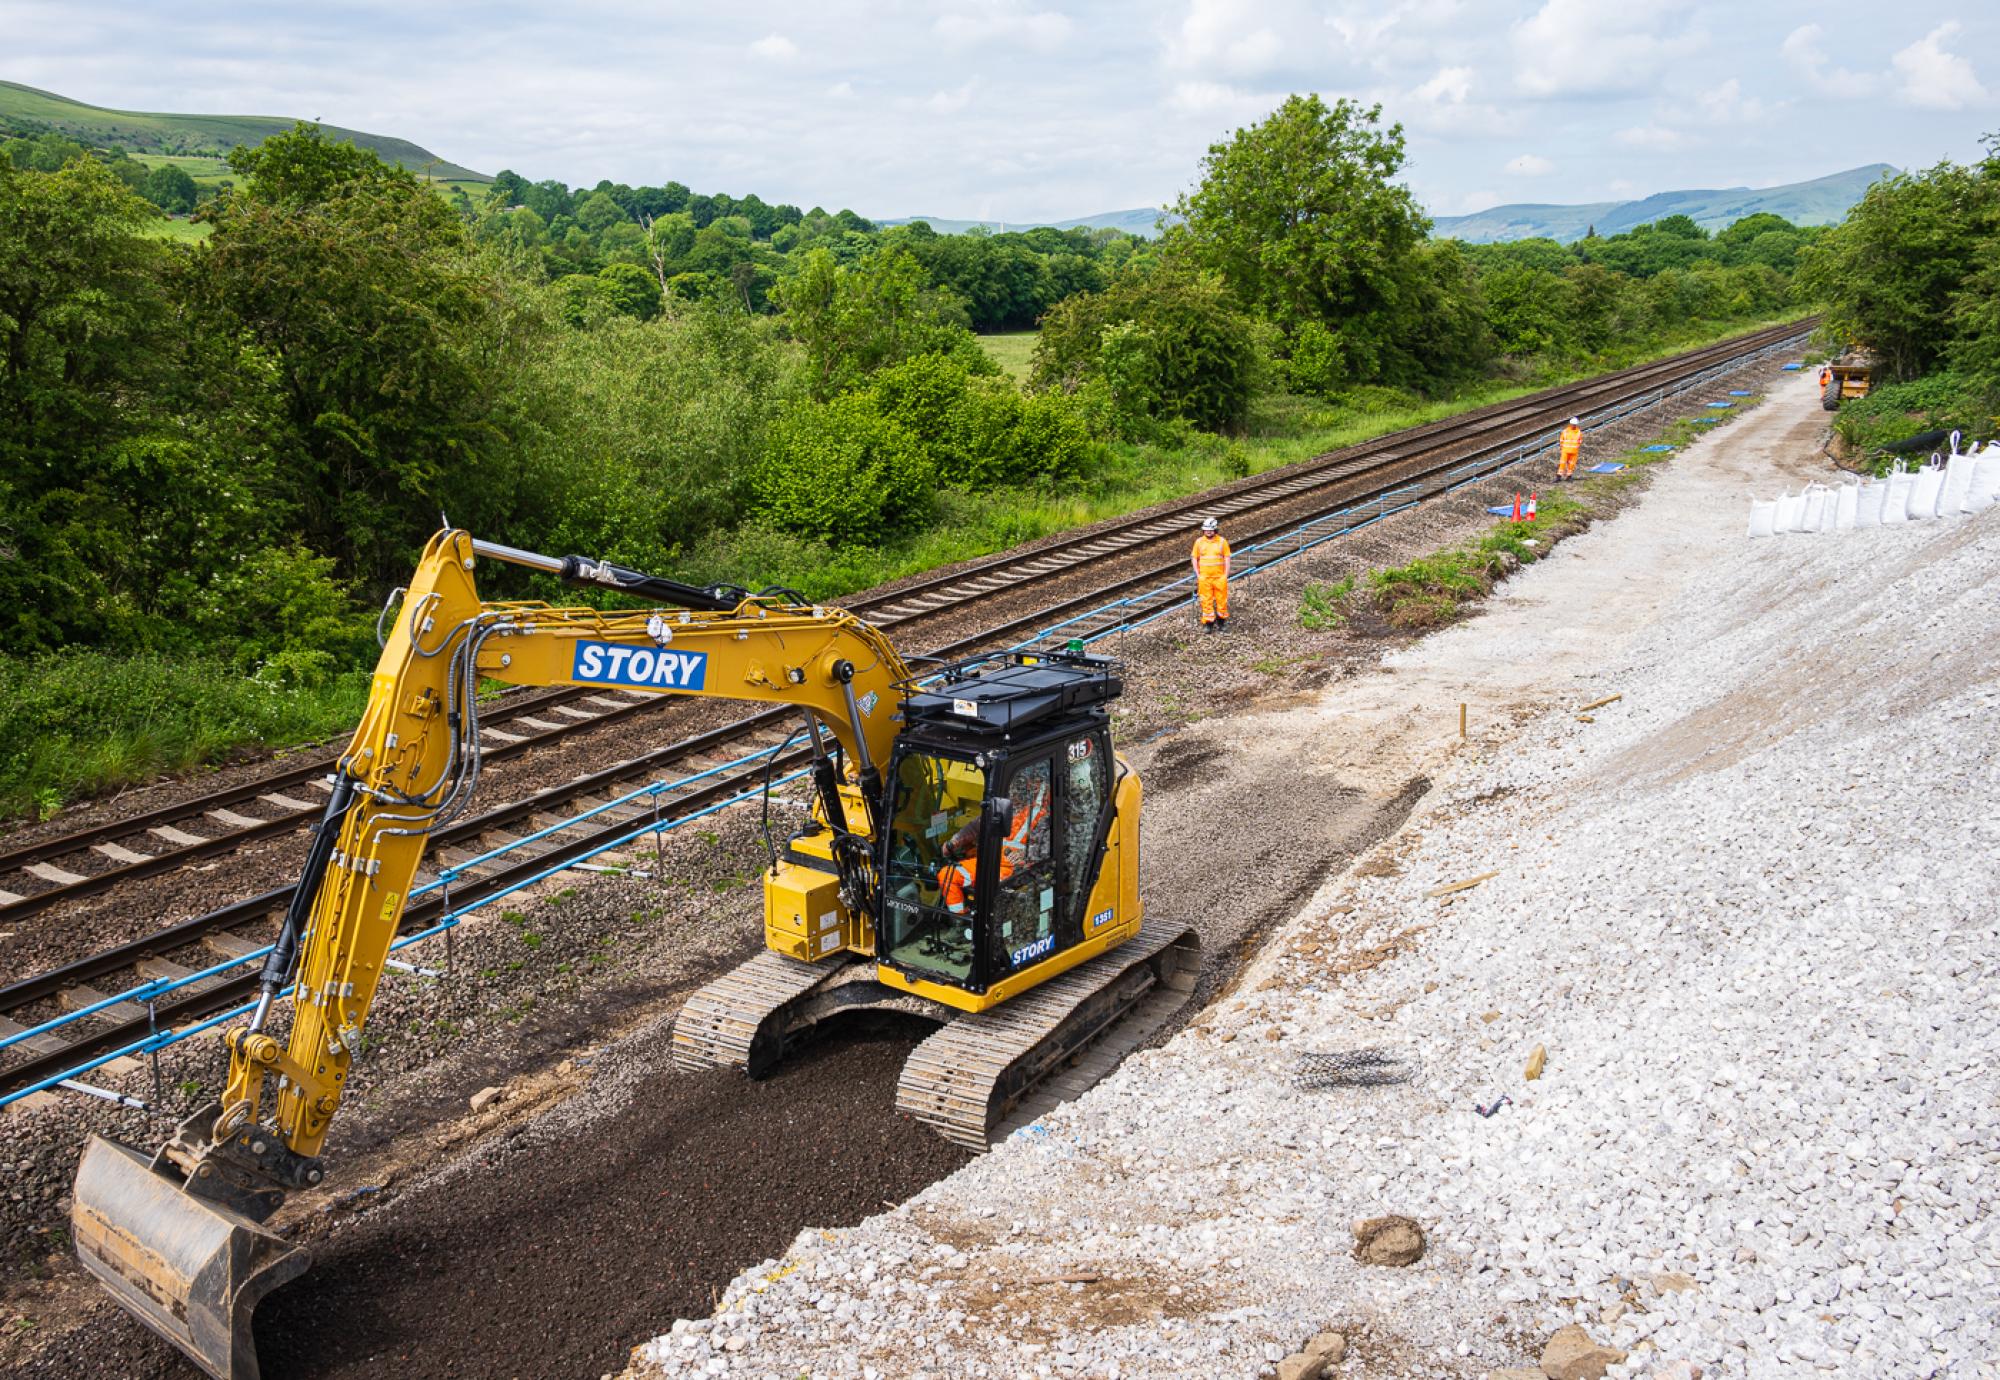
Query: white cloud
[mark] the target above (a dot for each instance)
(1477, 201)
(1451, 86)
(1803, 52)
(1651, 137)
(1929, 76)
(1529, 165)
(774, 48)
(950, 102)
(1045, 30)
(1727, 105)
(1586, 47)
(841, 91)
(1242, 38)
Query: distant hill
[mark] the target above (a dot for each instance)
(144, 132)
(1140, 221)
(1821, 201)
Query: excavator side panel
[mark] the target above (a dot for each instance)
(190, 1269)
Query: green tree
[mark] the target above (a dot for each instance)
(390, 342)
(169, 188)
(1200, 352)
(1893, 273)
(1300, 215)
(854, 320)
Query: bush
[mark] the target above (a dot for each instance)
(1168, 343)
(75, 722)
(981, 432)
(841, 472)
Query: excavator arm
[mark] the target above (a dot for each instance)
(177, 1237)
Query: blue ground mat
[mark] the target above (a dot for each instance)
(1794, 366)
(1719, 404)
(1644, 449)
(1505, 510)
(1739, 393)
(1706, 421)
(1608, 467)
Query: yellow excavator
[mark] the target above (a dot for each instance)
(970, 855)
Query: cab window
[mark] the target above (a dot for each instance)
(1086, 802)
(1025, 919)
(931, 880)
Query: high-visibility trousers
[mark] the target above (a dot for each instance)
(1213, 587)
(1568, 465)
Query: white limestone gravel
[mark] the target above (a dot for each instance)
(1748, 911)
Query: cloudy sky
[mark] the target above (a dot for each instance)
(1048, 109)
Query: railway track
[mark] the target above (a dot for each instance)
(1404, 462)
(89, 862)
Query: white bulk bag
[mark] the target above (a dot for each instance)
(1791, 508)
(1896, 507)
(1868, 504)
(1845, 505)
(1957, 483)
(1925, 491)
(1926, 488)
(1984, 490)
(1815, 509)
(1763, 518)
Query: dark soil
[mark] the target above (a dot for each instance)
(555, 1258)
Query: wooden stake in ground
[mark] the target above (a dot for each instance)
(1599, 704)
(1465, 885)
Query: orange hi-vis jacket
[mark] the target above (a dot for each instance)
(1572, 441)
(1211, 571)
(958, 880)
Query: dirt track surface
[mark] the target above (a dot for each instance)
(550, 1253)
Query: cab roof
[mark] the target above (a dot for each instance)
(1015, 693)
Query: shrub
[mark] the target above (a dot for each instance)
(1192, 354)
(842, 472)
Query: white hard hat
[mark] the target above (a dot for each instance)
(1208, 524)
(1573, 421)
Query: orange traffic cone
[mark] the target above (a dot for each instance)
(1529, 516)
(1517, 507)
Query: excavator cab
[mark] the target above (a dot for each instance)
(1000, 806)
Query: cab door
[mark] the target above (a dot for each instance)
(1026, 914)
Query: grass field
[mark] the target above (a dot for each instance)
(173, 228)
(1013, 351)
(140, 131)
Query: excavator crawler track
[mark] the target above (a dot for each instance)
(730, 1023)
(985, 1074)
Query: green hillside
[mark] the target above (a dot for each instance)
(1822, 201)
(1142, 221)
(25, 109)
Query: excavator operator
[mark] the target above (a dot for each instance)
(959, 877)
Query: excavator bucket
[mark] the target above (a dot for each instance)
(190, 1269)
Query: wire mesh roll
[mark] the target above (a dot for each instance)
(1353, 1068)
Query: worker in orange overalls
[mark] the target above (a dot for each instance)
(1211, 576)
(1825, 377)
(1568, 448)
(958, 879)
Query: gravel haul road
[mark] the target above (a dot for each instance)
(1698, 1077)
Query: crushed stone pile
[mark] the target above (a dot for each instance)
(1742, 927)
